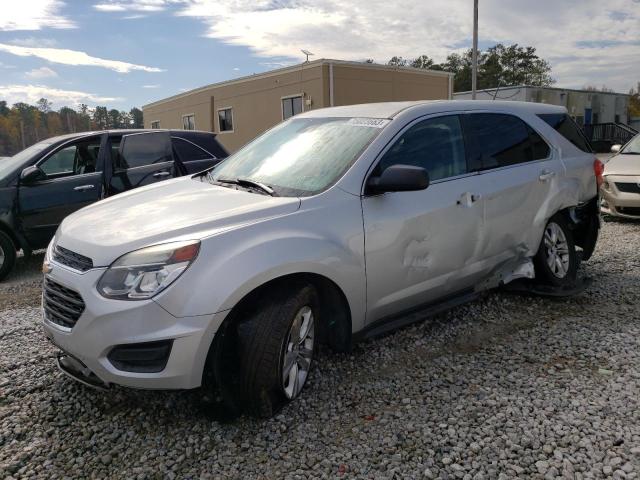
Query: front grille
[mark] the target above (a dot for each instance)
(634, 211)
(62, 305)
(628, 187)
(72, 259)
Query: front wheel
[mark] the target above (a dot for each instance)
(7, 255)
(276, 348)
(556, 262)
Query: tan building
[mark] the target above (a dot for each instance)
(241, 109)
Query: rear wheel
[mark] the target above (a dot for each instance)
(556, 262)
(276, 346)
(7, 255)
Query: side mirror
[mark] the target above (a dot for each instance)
(615, 148)
(32, 174)
(399, 178)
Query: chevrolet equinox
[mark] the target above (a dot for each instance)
(331, 227)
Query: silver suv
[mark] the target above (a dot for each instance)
(329, 228)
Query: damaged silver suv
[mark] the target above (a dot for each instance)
(330, 227)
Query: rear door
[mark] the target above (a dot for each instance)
(518, 173)
(74, 174)
(193, 157)
(140, 159)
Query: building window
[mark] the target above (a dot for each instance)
(189, 122)
(225, 120)
(291, 106)
(155, 124)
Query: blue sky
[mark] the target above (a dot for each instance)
(126, 53)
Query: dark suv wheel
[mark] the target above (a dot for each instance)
(7, 255)
(556, 262)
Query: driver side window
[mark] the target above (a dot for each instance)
(74, 159)
(435, 144)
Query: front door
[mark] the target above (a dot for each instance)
(73, 180)
(140, 159)
(422, 246)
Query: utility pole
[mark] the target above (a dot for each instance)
(474, 53)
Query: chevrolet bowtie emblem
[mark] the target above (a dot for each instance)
(46, 267)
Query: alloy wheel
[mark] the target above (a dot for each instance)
(298, 352)
(557, 249)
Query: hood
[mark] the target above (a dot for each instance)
(622, 164)
(186, 208)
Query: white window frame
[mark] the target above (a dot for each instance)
(155, 121)
(189, 115)
(286, 97)
(233, 120)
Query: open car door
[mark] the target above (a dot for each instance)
(139, 159)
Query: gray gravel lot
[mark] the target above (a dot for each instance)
(505, 387)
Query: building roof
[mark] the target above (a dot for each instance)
(513, 87)
(392, 109)
(297, 67)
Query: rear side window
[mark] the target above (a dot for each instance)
(566, 127)
(500, 140)
(187, 151)
(541, 149)
(142, 149)
(435, 144)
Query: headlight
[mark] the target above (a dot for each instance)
(143, 273)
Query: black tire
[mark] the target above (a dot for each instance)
(7, 255)
(559, 277)
(262, 343)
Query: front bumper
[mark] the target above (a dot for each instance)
(621, 203)
(105, 324)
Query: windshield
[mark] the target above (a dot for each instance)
(302, 156)
(9, 164)
(633, 147)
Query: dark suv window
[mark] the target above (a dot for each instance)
(188, 151)
(566, 127)
(501, 140)
(435, 144)
(74, 159)
(141, 149)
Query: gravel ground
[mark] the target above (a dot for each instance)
(505, 387)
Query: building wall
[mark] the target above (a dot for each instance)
(368, 84)
(256, 102)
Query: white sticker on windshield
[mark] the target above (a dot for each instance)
(368, 122)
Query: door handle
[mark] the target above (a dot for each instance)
(546, 175)
(84, 188)
(161, 174)
(467, 199)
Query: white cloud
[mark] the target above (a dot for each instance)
(134, 5)
(34, 42)
(74, 57)
(151, 86)
(42, 72)
(32, 93)
(33, 15)
(380, 29)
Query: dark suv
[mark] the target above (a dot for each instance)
(44, 183)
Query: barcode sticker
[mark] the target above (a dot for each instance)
(368, 122)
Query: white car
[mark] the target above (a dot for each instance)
(328, 228)
(621, 187)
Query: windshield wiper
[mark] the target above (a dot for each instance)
(245, 182)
